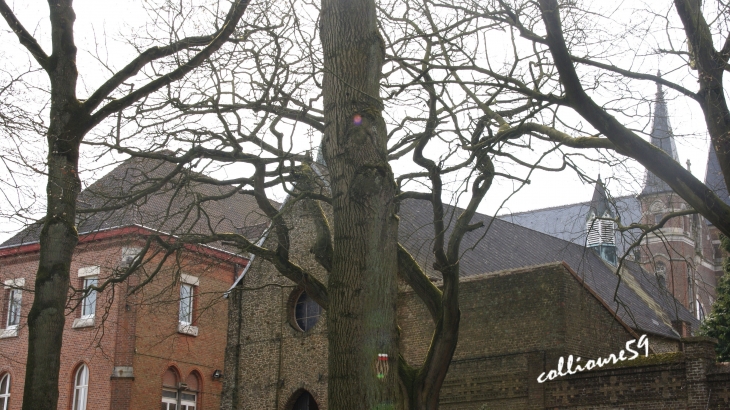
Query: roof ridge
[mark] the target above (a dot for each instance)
(560, 206)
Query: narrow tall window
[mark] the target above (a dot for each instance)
(186, 304)
(14, 302)
(88, 307)
(81, 388)
(661, 274)
(700, 311)
(4, 391)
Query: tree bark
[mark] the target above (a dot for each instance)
(58, 236)
(711, 65)
(361, 319)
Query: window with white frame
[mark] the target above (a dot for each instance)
(4, 391)
(188, 285)
(186, 304)
(88, 305)
(169, 400)
(129, 254)
(15, 297)
(89, 277)
(700, 311)
(13, 303)
(81, 388)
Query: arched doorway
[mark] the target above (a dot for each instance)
(305, 401)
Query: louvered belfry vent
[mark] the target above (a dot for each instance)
(600, 231)
(600, 224)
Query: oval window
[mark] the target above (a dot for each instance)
(306, 312)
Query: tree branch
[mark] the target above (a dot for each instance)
(140, 61)
(24, 36)
(638, 76)
(234, 15)
(654, 159)
(413, 275)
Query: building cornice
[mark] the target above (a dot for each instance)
(119, 231)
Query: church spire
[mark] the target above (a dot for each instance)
(663, 138)
(600, 205)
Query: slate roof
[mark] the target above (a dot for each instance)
(171, 209)
(663, 138)
(640, 301)
(568, 222)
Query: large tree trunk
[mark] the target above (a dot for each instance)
(361, 319)
(711, 65)
(58, 236)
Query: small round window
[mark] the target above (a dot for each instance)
(306, 312)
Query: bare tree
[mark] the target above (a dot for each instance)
(335, 87)
(381, 84)
(70, 119)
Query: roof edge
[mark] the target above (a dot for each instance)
(31, 247)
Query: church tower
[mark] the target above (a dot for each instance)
(673, 252)
(600, 226)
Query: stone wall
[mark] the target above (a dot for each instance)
(515, 325)
(268, 360)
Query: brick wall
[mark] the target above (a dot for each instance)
(133, 340)
(159, 346)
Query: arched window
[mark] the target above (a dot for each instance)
(81, 388)
(173, 391)
(306, 312)
(170, 386)
(305, 401)
(700, 311)
(4, 391)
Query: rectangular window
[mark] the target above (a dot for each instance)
(14, 301)
(88, 305)
(716, 251)
(186, 304)
(658, 218)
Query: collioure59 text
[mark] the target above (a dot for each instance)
(600, 362)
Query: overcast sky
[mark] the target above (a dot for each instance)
(110, 21)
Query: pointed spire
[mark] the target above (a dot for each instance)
(600, 205)
(661, 137)
(713, 176)
(661, 132)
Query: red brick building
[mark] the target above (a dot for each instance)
(144, 338)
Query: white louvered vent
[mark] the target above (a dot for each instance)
(600, 231)
(607, 228)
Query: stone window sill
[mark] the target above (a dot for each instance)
(187, 329)
(9, 332)
(123, 372)
(83, 322)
